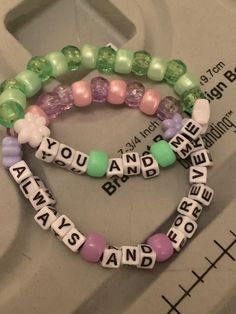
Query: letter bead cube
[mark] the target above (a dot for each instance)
(201, 158)
(74, 240)
(40, 198)
(181, 145)
(45, 217)
(191, 129)
(111, 258)
(186, 225)
(131, 164)
(64, 156)
(48, 149)
(189, 208)
(177, 238)
(149, 166)
(130, 255)
(201, 193)
(29, 186)
(147, 256)
(79, 163)
(198, 144)
(115, 167)
(20, 171)
(61, 226)
(197, 174)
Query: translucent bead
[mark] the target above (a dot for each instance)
(41, 67)
(157, 69)
(97, 163)
(141, 62)
(58, 63)
(66, 96)
(11, 151)
(14, 95)
(11, 83)
(10, 112)
(134, 94)
(168, 107)
(106, 59)
(30, 81)
(175, 69)
(162, 246)
(186, 82)
(73, 57)
(89, 56)
(99, 88)
(189, 97)
(93, 248)
(123, 62)
(163, 153)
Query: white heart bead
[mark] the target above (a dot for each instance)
(201, 111)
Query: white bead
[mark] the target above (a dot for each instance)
(198, 144)
(74, 239)
(115, 167)
(111, 258)
(186, 225)
(40, 198)
(204, 128)
(149, 166)
(61, 226)
(45, 217)
(181, 146)
(24, 136)
(29, 186)
(192, 129)
(177, 238)
(20, 171)
(201, 193)
(201, 111)
(147, 256)
(201, 158)
(48, 149)
(197, 174)
(39, 182)
(64, 156)
(79, 163)
(131, 164)
(51, 196)
(189, 208)
(130, 255)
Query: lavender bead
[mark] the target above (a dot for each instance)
(11, 151)
(177, 118)
(50, 103)
(134, 94)
(169, 134)
(167, 124)
(66, 96)
(10, 141)
(168, 107)
(162, 245)
(93, 247)
(7, 162)
(99, 88)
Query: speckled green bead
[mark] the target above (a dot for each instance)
(185, 83)
(58, 63)
(189, 97)
(157, 69)
(175, 69)
(14, 95)
(10, 111)
(41, 67)
(89, 56)
(11, 83)
(73, 57)
(106, 60)
(163, 153)
(141, 62)
(124, 60)
(97, 163)
(31, 82)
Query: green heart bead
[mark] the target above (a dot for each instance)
(10, 111)
(97, 163)
(163, 153)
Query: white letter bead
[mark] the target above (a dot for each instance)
(131, 164)
(41, 198)
(201, 158)
(61, 226)
(197, 174)
(20, 171)
(115, 168)
(181, 145)
(45, 217)
(185, 225)
(39, 182)
(64, 156)
(48, 149)
(149, 166)
(147, 256)
(111, 257)
(189, 208)
(29, 186)
(177, 238)
(201, 111)
(79, 163)
(74, 239)
(198, 144)
(130, 255)
(192, 129)
(201, 193)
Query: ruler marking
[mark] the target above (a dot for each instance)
(198, 277)
(185, 291)
(173, 307)
(225, 250)
(210, 262)
(234, 234)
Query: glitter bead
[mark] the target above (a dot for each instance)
(141, 62)
(73, 57)
(99, 88)
(41, 67)
(106, 59)
(175, 69)
(134, 94)
(11, 83)
(66, 96)
(14, 95)
(10, 111)
(162, 246)
(189, 97)
(168, 107)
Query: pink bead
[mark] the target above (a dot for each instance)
(36, 110)
(162, 245)
(82, 93)
(117, 92)
(150, 102)
(93, 247)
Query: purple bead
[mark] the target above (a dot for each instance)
(167, 124)
(169, 134)
(66, 96)
(162, 245)
(177, 118)
(10, 161)
(93, 247)
(168, 107)
(50, 103)
(11, 150)
(10, 141)
(134, 94)
(99, 88)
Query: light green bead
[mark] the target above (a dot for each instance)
(157, 69)
(11, 83)
(163, 153)
(97, 163)
(124, 60)
(14, 95)
(175, 69)
(30, 81)
(10, 111)
(89, 56)
(186, 82)
(58, 62)
(189, 97)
